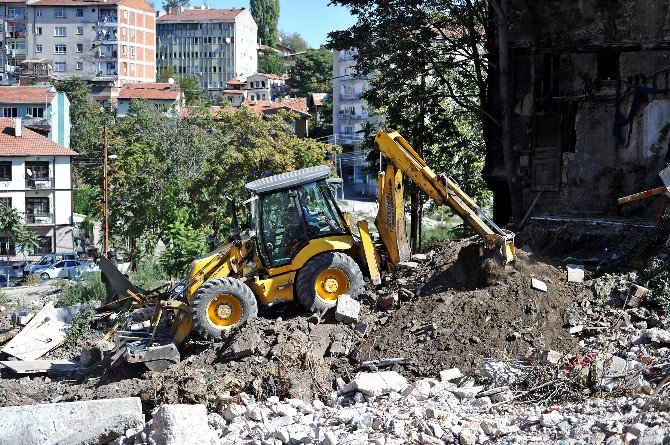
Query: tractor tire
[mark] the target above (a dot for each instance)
(325, 277)
(220, 305)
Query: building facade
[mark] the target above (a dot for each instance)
(213, 44)
(591, 107)
(107, 43)
(350, 115)
(36, 180)
(261, 86)
(164, 97)
(42, 109)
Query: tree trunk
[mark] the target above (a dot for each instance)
(416, 209)
(506, 102)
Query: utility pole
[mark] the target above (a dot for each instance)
(104, 175)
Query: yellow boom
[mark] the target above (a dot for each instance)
(402, 159)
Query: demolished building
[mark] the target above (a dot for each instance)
(590, 83)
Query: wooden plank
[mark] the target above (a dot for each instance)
(38, 366)
(41, 335)
(642, 195)
(530, 209)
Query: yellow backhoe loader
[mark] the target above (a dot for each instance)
(296, 244)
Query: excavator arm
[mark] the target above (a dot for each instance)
(402, 159)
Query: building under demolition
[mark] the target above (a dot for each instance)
(590, 83)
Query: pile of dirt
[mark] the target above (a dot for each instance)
(471, 310)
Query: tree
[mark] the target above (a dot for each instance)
(312, 73)
(271, 63)
(266, 14)
(167, 4)
(294, 41)
(167, 73)
(13, 227)
(192, 89)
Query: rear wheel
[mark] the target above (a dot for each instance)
(221, 304)
(45, 276)
(325, 277)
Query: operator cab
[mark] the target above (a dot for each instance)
(292, 209)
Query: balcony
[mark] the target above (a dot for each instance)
(15, 17)
(16, 34)
(41, 122)
(350, 96)
(107, 54)
(40, 183)
(353, 117)
(345, 56)
(349, 137)
(108, 20)
(107, 37)
(39, 219)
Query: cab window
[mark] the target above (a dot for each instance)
(319, 211)
(282, 227)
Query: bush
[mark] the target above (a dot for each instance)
(80, 326)
(149, 274)
(659, 281)
(79, 292)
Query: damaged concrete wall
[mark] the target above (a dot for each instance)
(574, 63)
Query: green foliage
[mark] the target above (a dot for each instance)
(84, 199)
(312, 73)
(14, 230)
(175, 4)
(182, 245)
(80, 326)
(193, 92)
(167, 73)
(294, 41)
(149, 274)
(659, 281)
(266, 15)
(87, 290)
(272, 63)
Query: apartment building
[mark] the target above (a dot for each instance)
(13, 37)
(213, 44)
(164, 97)
(107, 42)
(261, 86)
(36, 180)
(41, 108)
(350, 115)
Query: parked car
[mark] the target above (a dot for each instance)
(48, 260)
(63, 269)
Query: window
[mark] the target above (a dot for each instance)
(44, 245)
(38, 48)
(80, 12)
(59, 67)
(608, 65)
(60, 49)
(37, 169)
(123, 50)
(132, 51)
(38, 13)
(80, 65)
(80, 47)
(37, 209)
(6, 175)
(3, 246)
(10, 112)
(60, 31)
(80, 30)
(38, 30)
(60, 14)
(36, 111)
(6, 200)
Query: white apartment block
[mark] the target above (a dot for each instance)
(107, 42)
(215, 45)
(350, 115)
(36, 180)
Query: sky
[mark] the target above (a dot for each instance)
(312, 19)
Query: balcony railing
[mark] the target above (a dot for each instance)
(39, 218)
(107, 54)
(353, 117)
(16, 34)
(346, 56)
(35, 121)
(40, 184)
(350, 96)
(108, 20)
(350, 137)
(106, 37)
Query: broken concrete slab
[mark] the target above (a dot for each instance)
(449, 375)
(347, 309)
(656, 335)
(576, 273)
(39, 366)
(637, 294)
(50, 423)
(181, 424)
(94, 351)
(387, 301)
(106, 431)
(376, 383)
(538, 285)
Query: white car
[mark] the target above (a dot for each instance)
(63, 269)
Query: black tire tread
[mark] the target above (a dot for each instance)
(215, 287)
(304, 287)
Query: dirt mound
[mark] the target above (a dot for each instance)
(471, 310)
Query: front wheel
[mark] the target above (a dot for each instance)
(221, 304)
(45, 276)
(325, 277)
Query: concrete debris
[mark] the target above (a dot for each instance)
(377, 383)
(387, 301)
(40, 366)
(181, 424)
(108, 430)
(538, 285)
(575, 273)
(656, 335)
(94, 351)
(347, 309)
(637, 295)
(51, 423)
(449, 375)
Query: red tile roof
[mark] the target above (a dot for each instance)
(236, 81)
(30, 143)
(26, 95)
(233, 91)
(155, 91)
(202, 15)
(298, 105)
